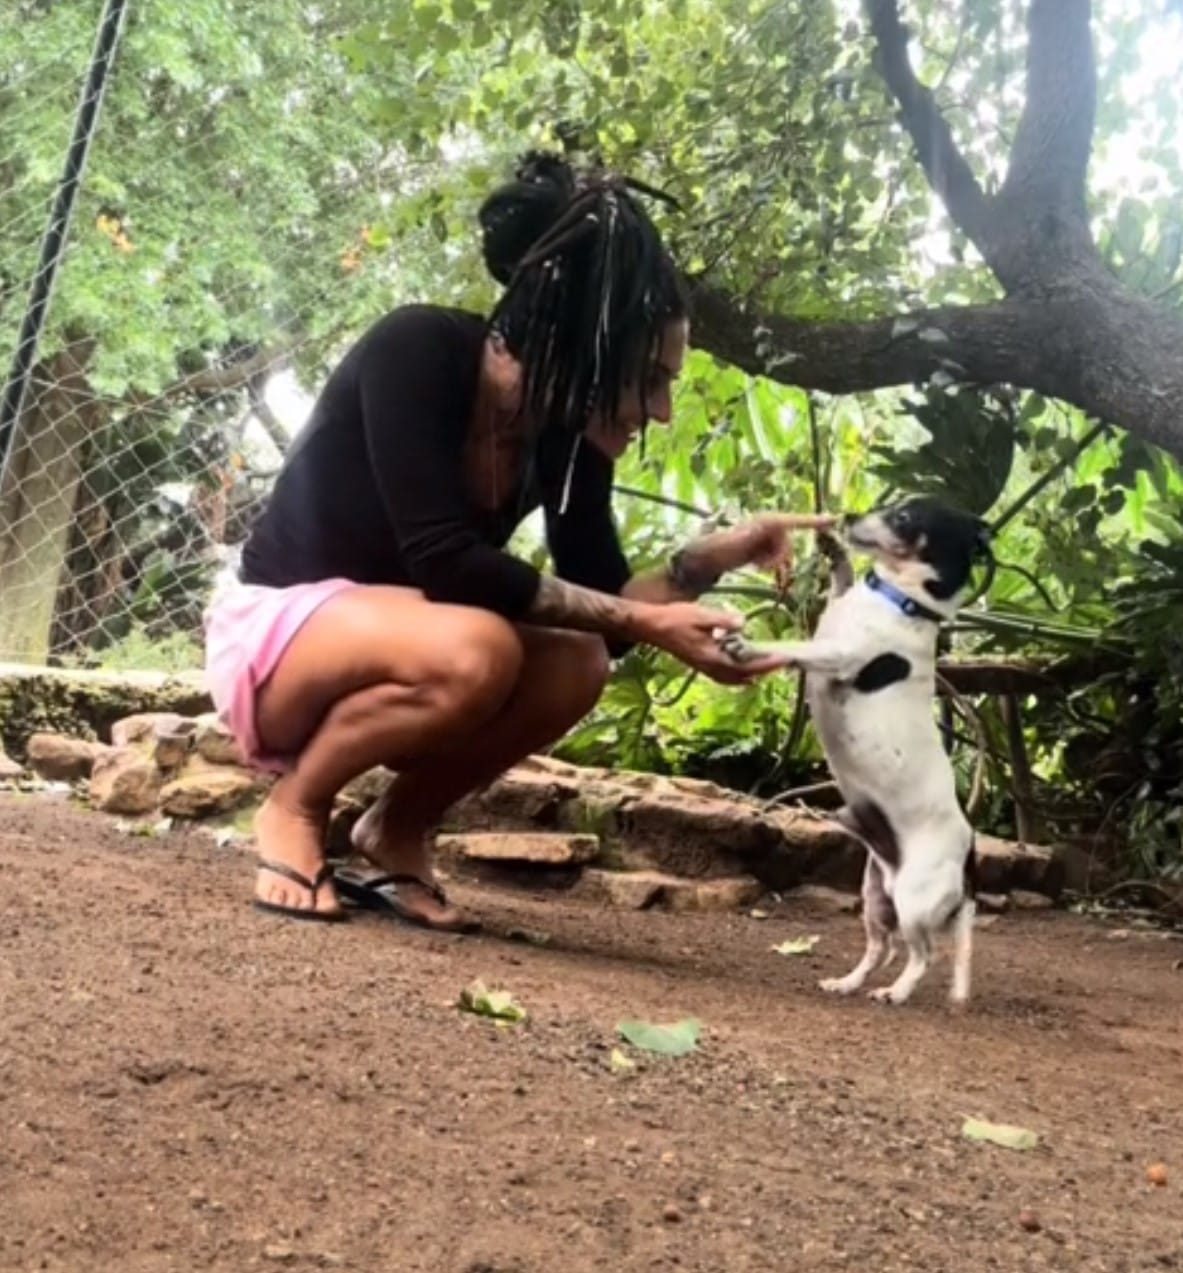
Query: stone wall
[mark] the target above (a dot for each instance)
(630, 838)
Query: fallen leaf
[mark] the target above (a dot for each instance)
(1004, 1134)
(619, 1063)
(668, 1040)
(497, 1004)
(797, 946)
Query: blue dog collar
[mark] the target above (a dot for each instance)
(902, 602)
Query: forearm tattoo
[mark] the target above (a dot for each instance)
(558, 604)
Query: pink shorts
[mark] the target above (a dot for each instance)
(247, 629)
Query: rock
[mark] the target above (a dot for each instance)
(683, 835)
(148, 726)
(124, 781)
(712, 896)
(171, 748)
(538, 848)
(592, 813)
(992, 903)
(519, 799)
(628, 890)
(1004, 865)
(86, 703)
(829, 899)
(205, 789)
(57, 758)
(638, 890)
(1023, 900)
(1076, 870)
(813, 848)
(550, 765)
(215, 743)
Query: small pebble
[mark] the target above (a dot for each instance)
(1029, 1221)
(1156, 1173)
(671, 1214)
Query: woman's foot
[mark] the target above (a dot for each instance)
(414, 895)
(291, 838)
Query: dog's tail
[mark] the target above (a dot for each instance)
(963, 931)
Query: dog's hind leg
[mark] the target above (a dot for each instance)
(918, 943)
(879, 921)
(963, 929)
(963, 938)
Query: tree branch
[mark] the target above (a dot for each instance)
(979, 343)
(1090, 342)
(225, 378)
(944, 165)
(266, 417)
(1050, 156)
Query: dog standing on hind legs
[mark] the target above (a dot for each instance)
(870, 681)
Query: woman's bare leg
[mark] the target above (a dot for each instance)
(561, 680)
(376, 676)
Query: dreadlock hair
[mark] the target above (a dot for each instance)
(589, 286)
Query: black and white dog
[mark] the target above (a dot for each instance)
(870, 683)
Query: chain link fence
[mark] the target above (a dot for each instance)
(168, 306)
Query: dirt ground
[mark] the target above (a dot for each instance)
(190, 1085)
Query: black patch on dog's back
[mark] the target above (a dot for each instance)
(868, 821)
(882, 671)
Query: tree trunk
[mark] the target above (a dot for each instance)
(38, 498)
(93, 575)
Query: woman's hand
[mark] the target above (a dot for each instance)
(691, 634)
(762, 541)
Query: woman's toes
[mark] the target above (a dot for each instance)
(292, 842)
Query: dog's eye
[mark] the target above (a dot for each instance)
(903, 517)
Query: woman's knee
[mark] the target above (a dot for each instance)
(479, 661)
(574, 667)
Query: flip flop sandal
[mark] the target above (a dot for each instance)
(313, 885)
(379, 893)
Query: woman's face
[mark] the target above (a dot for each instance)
(641, 404)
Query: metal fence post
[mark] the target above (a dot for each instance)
(54, 243)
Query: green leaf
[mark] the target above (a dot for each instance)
(1004, 1134)
(668, 1040)
(498, 1004)
(797, 946)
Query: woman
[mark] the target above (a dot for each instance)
(377, 619)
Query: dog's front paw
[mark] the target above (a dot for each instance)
(890, 995)
(840, 985)
(830, 546)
